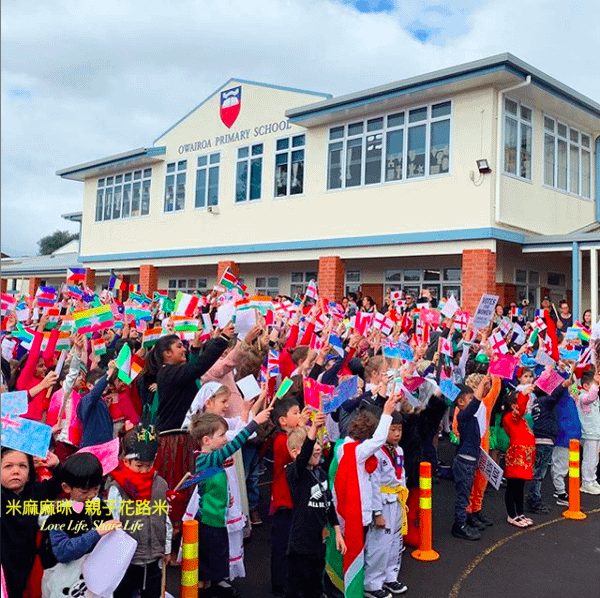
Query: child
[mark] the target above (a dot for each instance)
(588, 407)
(465, 463)
(286, 416)
(312, 510)
(70, 534)
(19, 530)
(383, 545)
(135, 479)
(209, 430)
(519, 457)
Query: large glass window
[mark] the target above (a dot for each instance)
(267, 285)
(352, 281)
(517, 139)
(372, 151)
(207, 180)
(289, 165)
(567, 158)
(175, 186)
(528, 287)
(186, 285)
(248, 179)
(118, 196)
(439, 281)
(300, 282)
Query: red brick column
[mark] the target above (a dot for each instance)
(34, 283)
(148, 279)
(507, 293)
(478, 276)
(234, 268)
(4, 285)
(332, 271)
(90, 279)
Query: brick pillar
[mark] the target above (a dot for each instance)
(332, 271)
(148, 279)
(4, 285)
(507, 293)
(478, 276)
(233, 268)
(90, 279)
(34, 283)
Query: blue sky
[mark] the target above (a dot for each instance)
(83, 84)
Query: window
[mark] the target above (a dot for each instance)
(528, 286)
(119, 196)
(289, 166)
(567, 158)
(517, 139)
(300, 282)
(175, 186)
(352, 281)
(557, 280)
(444, 281)
(248, 178)
(395, 147)
(207, 180)
(267, 285)
(186, 285)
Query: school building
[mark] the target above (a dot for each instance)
(478, 178)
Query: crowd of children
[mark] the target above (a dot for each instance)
(345, 463)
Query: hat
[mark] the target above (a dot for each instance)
(546, 298)
(144, 442)
(482, 358)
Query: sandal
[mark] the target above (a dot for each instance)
(516, 522)
(525, 520)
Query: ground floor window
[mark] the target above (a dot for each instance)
(352, 281)
(440, 282)
(267, 285)
(300, 282)
(528, 286)
(186, 285)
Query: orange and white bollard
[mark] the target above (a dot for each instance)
(425, 551)
(189, 560)
(574, 511)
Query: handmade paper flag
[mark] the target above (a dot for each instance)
(63, 341)
(336, 344)
(94, 319)
(24, 335)
(14, 403)
(461, 321)
(516, 312)
(25, 435)
(273, 363)
(548, 381)
(311, 291)
(446, 347)
(449, 389)
(520, 335)
(74, 292)
(135, 288)
(151, 336)
(396, 296)
(498, 343)
(533, 337)
(53, 314)
(569, 354)
(8, 303)
(315, 392)
(505, 326)
(315, 343)
(391, 349)
(430, 316)
(282, 390)
(107, 453)
(451, 307)
(413, 383)
(539, 324)
(544, 359)
(45, 296)
(99, 346)
(185, 327)
(503, 366)
(76, 274)
(336, 310)
(201, 476)
(363, 322)
(345, 391)
(245, 321)
(249, 387)
(117, 284)
(228, 280)
(262, 303)
(381, 322)
(128, 365)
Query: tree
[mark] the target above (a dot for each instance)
(57, 239)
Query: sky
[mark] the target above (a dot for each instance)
(82, 81)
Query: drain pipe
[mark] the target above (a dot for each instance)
(499, 109)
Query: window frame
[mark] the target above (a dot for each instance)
(569, 143)
(249, 159)
(289, 153)
(178, 170)
(438, 285)
(520, 122)
(386, 128)
(267, 289)
(186, 288)
(145, 176)
(307, 276)
(207, 169)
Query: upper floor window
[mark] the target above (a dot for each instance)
(248, 178)
(567, 158)
(207, 180)
(123, 195)
(399, 146)
(175, 186)
(517, 139)
(289, 166)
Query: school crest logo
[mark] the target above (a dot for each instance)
(231, 102)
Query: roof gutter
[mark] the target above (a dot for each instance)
(501, 93)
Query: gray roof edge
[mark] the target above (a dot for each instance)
(506, 58)
(569, 238)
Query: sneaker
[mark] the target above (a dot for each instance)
(556, 494)
(466, 533)
(472, 521)
(589, 488)
(255, 517)
(562, 499)
(540, 509)
(482, 518)
(378, 594)
(595, 484)
(395, 587)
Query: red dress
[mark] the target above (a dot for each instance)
(520, 455)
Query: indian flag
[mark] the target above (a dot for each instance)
(128, 365)
(99, 346)
(67, 324)
(185, 304)
(262, 303)
(151, 336)
(63, 342)
(228, 280)
(243, 304)
(92, 320)
(53, 314)
(185, 327)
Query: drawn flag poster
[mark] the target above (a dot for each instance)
(231, 102)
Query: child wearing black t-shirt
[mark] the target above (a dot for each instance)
(313, 509)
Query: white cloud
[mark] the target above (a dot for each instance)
(82, 81)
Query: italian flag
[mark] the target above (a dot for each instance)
(228, 280)
(151, 337)
(347, 572)
(185, 304)
(129, 366)
(99, 346)
(91, 320)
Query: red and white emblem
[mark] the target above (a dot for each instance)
(231, 102)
